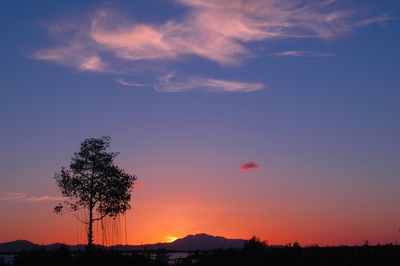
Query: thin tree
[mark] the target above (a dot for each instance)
(93, 182)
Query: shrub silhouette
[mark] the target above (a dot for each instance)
(255, 244)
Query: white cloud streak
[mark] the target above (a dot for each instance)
(11, 196)
(295, 53)
(132, 84)
(43, 198)
(171, 83)
(15, 196)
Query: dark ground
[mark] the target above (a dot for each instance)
(254, 252)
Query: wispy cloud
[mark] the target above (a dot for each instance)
(11, 195)
(22, 197)
(132, 84)
(171, 83)
(74, 57)
(381, 19)
(303, 54)
(43, 198)
(215, 30)
(92, 63)
(250, 165)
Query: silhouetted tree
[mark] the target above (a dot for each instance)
(255, 243)
(296, 244)
(93, 182)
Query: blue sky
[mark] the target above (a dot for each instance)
(309, 92)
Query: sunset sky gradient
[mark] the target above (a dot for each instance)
(240, 118)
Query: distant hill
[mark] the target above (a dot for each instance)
(190, 242)
(198, 242)
(17, 246)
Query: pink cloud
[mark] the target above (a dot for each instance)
(215, 30)
(75, 56)
(92, 63)
(137, 185)
(133, 42)
(170, 40)
(250, 165)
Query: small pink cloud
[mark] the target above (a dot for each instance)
(137, 185)
(250, 165)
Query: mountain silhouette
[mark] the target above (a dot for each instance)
(17, 246)
(190, 242)
(199, 242)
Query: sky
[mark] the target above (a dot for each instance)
(278, 119)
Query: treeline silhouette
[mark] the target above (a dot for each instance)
(254, 252)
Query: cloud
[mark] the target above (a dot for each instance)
(23, 197)
(92, 63)
(256, 20)
(131, 84)
(377, 19)
(303, 53)
(43, 198)
(137, 185)
(219, 31)
(250, 165)
(11, 195)
(74, 57)
(169, 83)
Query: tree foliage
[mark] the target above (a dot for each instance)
(93, 182)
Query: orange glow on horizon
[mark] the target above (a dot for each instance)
(171, 239)
(174, 207)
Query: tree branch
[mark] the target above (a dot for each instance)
(101, 217)
(73, 210)
(80, 219)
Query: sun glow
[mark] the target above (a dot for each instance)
(171, 238)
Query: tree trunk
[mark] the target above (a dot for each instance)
(91, 206)
(90, 233)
